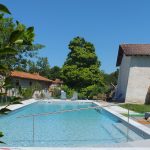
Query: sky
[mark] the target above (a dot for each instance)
(105, 23)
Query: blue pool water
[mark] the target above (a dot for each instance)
(80, 128)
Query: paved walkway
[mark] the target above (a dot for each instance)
(24, 103)
(120, 110)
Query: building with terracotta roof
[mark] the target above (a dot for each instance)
(24, 80)
(134, 73)
(57, 82)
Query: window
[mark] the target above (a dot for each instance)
(17, 82)
(30, 83)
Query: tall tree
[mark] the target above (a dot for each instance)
(55, 73)
(41, 66)
(81, 68)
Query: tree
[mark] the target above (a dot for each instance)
(55, 73)
(41, 66)
(32, 67)
(20, 38)
(111, 78)
(81, 68)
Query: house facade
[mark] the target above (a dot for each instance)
(26, 80)
(134, 73)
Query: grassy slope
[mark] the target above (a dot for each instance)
(141, 108)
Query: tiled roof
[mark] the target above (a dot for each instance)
(26, 75)
(57, 81)
(132, 50)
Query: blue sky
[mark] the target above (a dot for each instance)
(105, 23)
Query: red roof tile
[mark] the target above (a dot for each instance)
(57, 81)
(26, 75)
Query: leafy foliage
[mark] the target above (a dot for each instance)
(81, 68)
(68, 90)
(4, 9)
(41, 66)
(16, 44)
(56, 92)
(27, 92)
(1, 135)
(111, 78)
(55, 73)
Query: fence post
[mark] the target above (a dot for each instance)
(128, 113)
(33, 123)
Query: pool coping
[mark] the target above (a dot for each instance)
(141, 129)
(17, 106)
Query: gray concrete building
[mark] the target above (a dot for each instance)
(134, 73)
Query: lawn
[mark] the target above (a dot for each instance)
(141, 108)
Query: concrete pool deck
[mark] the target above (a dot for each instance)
(17, 106)
(133, 115)
(136, 126)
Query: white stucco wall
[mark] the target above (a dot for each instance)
(123, 78)
(139, 79)
(25, 83)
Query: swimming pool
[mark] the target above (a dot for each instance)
(89, 127)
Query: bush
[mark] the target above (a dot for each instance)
(91, 92)
(69, 91)
(27, 93)
(56, 92)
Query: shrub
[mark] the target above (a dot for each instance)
(56, 92)
(69, 91)
(27, 93)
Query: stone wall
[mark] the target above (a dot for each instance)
(139, 79)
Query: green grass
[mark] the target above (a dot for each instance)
(134, 115)
(140, 108)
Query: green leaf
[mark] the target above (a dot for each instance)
(1, 94)
(1, 134)
(2, 142)
(30, 29)
(18, 41)
(15, 36)
(25, 42)
(1, 16)
(17, 22)
(8, 86)
(16, 102)
(4, 9)
(2, 68)
(4, 110)
(7, 51)
(15, 99)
